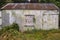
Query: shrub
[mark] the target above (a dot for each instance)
(6, 28)
(15, 26)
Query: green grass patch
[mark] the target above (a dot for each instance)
(12, 33)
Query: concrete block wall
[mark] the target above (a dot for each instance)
(18, 16)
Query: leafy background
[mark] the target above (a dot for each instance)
(3, 2)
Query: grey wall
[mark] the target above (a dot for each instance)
(40, 18)
(5, 18)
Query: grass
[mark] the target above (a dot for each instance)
(13, 34)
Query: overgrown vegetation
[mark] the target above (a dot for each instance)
(6, 28)
(12, 33)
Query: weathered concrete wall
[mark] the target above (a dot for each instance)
(5, 18)
(45, 19)
(16, 16)
(0, 19)
(50, 19)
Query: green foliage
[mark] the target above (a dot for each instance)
(6, 28)
(14, 26)
(57, 2)
(34, 20)
(13, 34)
(10, 35)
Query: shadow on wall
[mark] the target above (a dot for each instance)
(59, 18)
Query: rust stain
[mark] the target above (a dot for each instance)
(31, 6)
